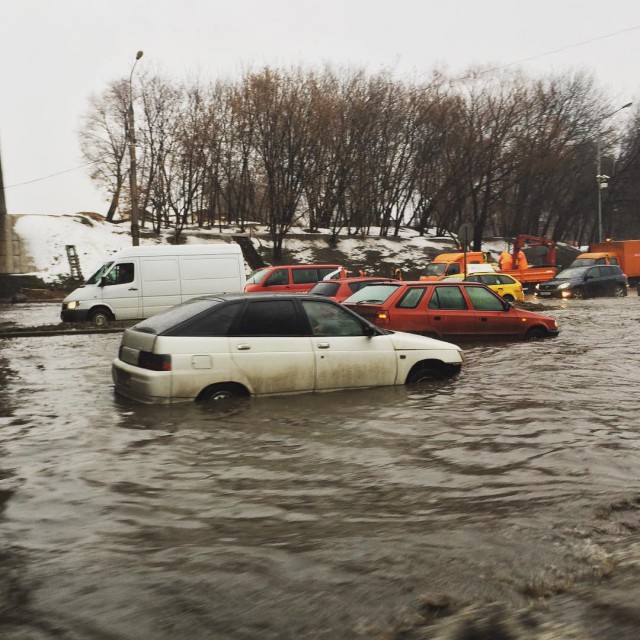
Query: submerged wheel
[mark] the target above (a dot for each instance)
(535, 333)
(619, 291)
(578, 294)
(424, 373)
(221, 392)
(509, 298)
(100, 318)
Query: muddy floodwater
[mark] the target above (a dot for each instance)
(502, 504)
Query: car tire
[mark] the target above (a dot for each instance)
(509, 298)
(424, 373)
(619, 291)
(221, 391)
(100, 318)
(534, 334)
(578, 294)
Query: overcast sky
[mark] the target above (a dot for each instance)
(55, 53)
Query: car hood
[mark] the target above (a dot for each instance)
(557, 281)
(408, 341)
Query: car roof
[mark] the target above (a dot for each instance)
(224, 297)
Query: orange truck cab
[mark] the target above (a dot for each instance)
(624, 253)
(449, 264)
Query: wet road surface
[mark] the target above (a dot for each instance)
(505, 502)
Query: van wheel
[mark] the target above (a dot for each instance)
(619, 291)
(221, 391)
(100, 318)
(534, 334)
(424, 373)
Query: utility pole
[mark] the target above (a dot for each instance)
(133, 181)
(3, 202)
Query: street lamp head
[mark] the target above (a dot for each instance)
(141, 53)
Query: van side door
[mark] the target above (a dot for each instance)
(121, 289)
(160, 281)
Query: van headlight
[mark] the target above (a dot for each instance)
(74, 304)
(564, 285)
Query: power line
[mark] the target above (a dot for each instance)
(554, 51)
(52, 175)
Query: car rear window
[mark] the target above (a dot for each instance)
(214, 323)
(327, 288)
(165, 320)
(373, 294)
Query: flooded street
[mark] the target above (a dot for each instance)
(504, 502)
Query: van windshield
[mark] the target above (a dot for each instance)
(96, 277)
(434, 269)
(257, 276)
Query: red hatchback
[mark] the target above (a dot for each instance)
(341, 289)
(448, 310)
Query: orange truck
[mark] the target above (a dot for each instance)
(515, 263)
(448, 264)
(624, 253)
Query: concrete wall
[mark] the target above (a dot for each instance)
(13, 256)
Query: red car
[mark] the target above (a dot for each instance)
(448, 310)
(341, 289)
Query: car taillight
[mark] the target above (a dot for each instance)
(154, 361)
(382, 317)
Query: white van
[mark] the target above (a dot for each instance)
(142, 281)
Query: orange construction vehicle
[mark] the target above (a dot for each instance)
(624, 253)
(448, 264)
(515, 263)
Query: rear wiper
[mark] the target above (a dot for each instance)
(372, 301)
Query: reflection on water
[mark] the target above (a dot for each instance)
(382, 513)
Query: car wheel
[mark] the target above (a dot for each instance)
(535, 333)
(509, 298)
(578, 294)
(221, 392)
(100, 318)
(619, 291)
(424, 373)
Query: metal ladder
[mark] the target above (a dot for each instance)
(74, 263)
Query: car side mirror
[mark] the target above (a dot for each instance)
(370, 331)
(508, 305)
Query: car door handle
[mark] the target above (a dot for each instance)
(133, 288)
(243, 347)
(437, 317)
(483, 319)
(323, 345)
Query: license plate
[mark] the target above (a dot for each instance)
(544, 293)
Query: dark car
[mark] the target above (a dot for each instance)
(585, 282)
(341, 289)
(448, 310)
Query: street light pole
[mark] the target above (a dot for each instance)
(133, 181)
(602, 179)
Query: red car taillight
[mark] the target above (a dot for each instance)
(154, 361)
(382, 317)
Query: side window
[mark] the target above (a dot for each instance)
(122, 273)
(614, 261)
(447, 298)
(305, 276)
(594, 272)
(279, 276)
(484, 299)
(212, 324)
(269, 318)
(331, 320)
(504, 279)
(488, 280)
(411, 298)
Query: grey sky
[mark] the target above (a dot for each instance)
(55, 53)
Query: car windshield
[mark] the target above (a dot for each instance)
(97, 276)
(571, 272)
(165, 320)
(372, 294)
(257, 276)
(434, 269)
